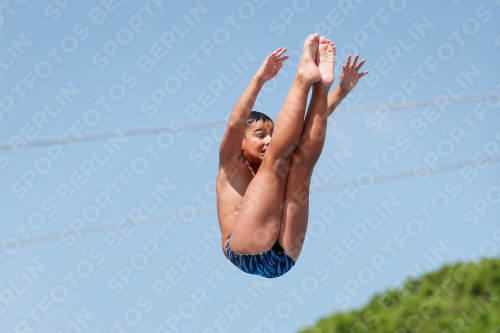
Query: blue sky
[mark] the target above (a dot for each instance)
(109, 229)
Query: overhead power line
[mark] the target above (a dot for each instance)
(89, 229)
(208, 125)
(419, 103)
(113, 134)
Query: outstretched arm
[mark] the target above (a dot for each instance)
(348, 80)
(231, 141)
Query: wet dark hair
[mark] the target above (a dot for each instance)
(256, 116)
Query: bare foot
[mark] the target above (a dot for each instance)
(326, 60)
(308, 71)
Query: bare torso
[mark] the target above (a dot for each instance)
(232, 182)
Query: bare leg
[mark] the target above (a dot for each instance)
(296, 202)
(258, 222)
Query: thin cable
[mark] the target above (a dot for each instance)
(207, 125)
(113, 134)
(419, 103)
(400, 175)
(210, 208)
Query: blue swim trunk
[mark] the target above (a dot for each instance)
(270, 264)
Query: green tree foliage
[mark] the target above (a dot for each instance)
(460, 298)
